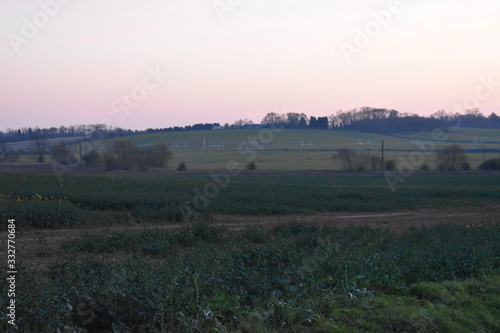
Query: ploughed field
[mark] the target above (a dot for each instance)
(326, 252)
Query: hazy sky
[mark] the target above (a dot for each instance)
(160, 63)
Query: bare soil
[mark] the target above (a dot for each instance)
(38, 249)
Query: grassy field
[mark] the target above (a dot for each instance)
(320, 139)
(282, 151)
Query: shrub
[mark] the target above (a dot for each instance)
(156, 155)
(465, 166)
(390, 165)
(92, 159)
(111, 162)
(492, 164)
(360, 168)
(251, 166)
(11, 156)
(424, 167)
(182, 167)
(61, 153)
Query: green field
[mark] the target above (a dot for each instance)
(292, 278)
(44, 202)
(320, 139)
(283, 150)
(304, 150)
(183, 274)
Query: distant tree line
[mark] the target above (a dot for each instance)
(195, 127)
(377, 120)
(391, 121)
(97, 131)
(94, 132)
(122, 155)
(365, 119)
(451, 158)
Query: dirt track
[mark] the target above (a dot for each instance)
(39, 248)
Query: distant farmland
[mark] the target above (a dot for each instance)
(308, 149)
(300, 150)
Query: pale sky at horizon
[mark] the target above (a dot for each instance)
(282, 55)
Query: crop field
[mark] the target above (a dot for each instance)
(302, 150)
(255, 252)
(43, 201)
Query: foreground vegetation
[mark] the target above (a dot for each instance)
(292, 278)
(40, 201)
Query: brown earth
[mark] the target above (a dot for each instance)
(37, 249)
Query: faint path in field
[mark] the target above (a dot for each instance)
(30, 244)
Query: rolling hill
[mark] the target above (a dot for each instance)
(307, 149)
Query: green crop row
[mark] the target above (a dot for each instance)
(43, 201)
(291, 278)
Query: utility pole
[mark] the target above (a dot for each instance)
(382, 162)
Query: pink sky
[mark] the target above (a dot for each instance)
(261, 56)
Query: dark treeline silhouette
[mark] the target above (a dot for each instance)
(94, 132)
(383, 121)
(195, 127)
(365, 119)
(391, 121)
(98, 131)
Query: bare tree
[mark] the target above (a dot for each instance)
(3, 149)
(375, 162)
(242, 122)
(274, 118)
(40, 146)
(156, 155)
(162, 154)
(61, 153)
(131, 156)
(451, 157)
(126, 152)
(347, 156)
